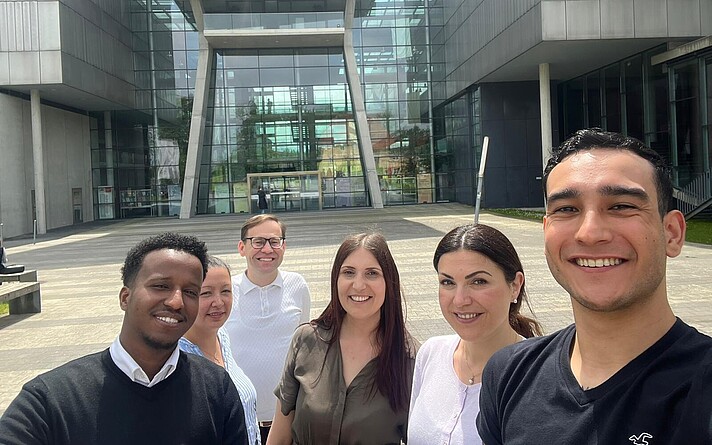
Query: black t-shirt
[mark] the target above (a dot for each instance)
(664, 396)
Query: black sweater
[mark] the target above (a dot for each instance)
(91, 401)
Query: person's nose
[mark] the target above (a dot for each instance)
(175, 300)
(462, 296)
(594, 228)
(359, 283)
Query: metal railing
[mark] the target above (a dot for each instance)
(695, 196)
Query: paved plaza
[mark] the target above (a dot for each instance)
(79, 271)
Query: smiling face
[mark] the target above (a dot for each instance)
(215, 300)
(605, 240)
(262, 263)
(475, 296)
(361, 286)
(162, 303)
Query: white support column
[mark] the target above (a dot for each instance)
(197, 130)
(196, 135)
(359, 107)
(545, 109)
(38, 161)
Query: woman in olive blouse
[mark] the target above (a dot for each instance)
(348, 373)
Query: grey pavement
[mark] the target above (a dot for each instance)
(79, 271)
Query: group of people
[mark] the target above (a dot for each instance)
(205, 357)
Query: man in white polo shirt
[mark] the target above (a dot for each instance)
(269, 304)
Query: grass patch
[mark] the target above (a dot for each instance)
(699, 231)
(531, 215)
(4, 308)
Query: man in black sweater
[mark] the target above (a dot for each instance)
(141, 389)
(628, 371)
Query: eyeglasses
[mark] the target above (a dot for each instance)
(258, 242)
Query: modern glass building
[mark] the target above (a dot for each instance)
(128, 108)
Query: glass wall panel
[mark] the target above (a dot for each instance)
(612, 97)
(633, 72)
(688, 140)
(657, 129)
(593, 99)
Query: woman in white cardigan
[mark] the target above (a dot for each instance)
(481, 291)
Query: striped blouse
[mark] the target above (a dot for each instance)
(248, 394)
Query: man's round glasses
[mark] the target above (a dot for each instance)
(258, 242)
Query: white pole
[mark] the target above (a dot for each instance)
(545, 110)
(481, 177)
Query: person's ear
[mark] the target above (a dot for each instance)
(241, 247)
(675, 228)
(516, 285)
(124, 295)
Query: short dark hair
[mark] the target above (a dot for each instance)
(492, 243)
(593, 138)
(259, 219)
(168, 240)
(391, 335)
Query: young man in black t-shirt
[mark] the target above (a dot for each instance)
(628, 371)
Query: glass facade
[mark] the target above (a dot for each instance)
(285, 115)
(138, 171)
(391, 46)
(665, 105)
(279, 111)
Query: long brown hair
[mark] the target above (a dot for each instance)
(391, 335)
(492, 243)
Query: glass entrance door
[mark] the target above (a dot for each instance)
(286, 192)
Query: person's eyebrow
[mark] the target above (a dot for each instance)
(617, 190)
(606, 190)
(567, 193)
(478, 272)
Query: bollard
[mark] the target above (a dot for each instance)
(34, 231)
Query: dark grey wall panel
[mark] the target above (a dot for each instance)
(510, 117)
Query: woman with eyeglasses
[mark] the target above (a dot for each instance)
(207, 338)
(481, 293)
(348, 373)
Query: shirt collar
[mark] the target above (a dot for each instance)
(245, 285)
(128, 365)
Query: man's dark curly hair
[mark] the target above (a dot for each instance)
(168, 240)
(592, 138)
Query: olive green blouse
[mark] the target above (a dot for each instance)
(326, 411)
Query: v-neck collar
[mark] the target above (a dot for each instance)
(584, 397)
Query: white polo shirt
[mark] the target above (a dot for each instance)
(261, 325)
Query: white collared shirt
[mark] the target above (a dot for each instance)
(123, 360)
(261, 325)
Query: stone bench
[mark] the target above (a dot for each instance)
(21, 291)
(23, 297)
(28, 275)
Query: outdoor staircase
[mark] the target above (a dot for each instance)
(696, 197)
